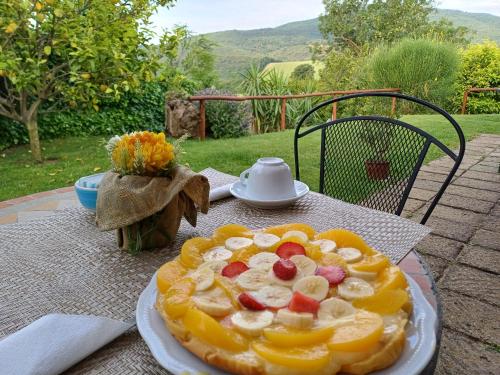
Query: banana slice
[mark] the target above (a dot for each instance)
(217, 253)
(350, 254)
(304, 264)
(253, 279)
(334, 308)
(236, 243)
(326, 246)
(214, 265)
(263, 261)
(353, 287)
(295, 233)
(203, 278)
(252, 322)
(313, 286)
(214, 303)
(368, 276)
(274, 296)
(295, 319)
(265, 240)
(273, 279)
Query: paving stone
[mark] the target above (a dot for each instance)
(413, 204)
(464, 191)
(493, 177)
(438, 177)
(480, 257)
(435, 169)
(446, 228)
(489, 163)
(421, 194)
(439, 246)
(479, 322)
(478, 184)
(437, 265)
(472, 282)
(487, 238)
(427, 185)
(471, 204)
(455, 214)
(491, 223)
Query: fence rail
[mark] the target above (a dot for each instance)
(203, 98)
(475, 89)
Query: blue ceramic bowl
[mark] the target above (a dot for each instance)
(86, 190)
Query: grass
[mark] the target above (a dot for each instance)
(287, 67)
(69, 158)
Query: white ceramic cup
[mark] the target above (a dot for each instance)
(268, 179)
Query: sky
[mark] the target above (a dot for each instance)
(204, 16)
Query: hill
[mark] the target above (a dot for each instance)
(237, 49)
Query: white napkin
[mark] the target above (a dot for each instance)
(55, 342)
(219, 193)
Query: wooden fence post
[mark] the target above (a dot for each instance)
(334, 110)
(464, 103)
(201, 129)
(393, 106)
(283, 114)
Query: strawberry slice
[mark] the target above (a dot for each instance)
(285, 269)
(302, 303)
(234, 269)
(288, 249)
(334, 274)
(248, 301)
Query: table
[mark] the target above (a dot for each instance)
(63, 264)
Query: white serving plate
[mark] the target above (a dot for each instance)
(419, 348)
(238, 190)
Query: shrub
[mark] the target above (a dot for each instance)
(422, 68)
(225, 119)
(303, 72)
(479, 67)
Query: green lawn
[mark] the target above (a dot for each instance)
(70, 158)
(287, 67)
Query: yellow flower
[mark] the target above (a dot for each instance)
(11, 27)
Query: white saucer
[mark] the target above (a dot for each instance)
(238, 190)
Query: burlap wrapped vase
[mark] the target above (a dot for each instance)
(147, 211)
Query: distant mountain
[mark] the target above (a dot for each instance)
(237, 49)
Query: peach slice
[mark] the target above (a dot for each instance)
(372, 263)
(280, 230)
(243, 255)
(289, 338)
(346, 238)
(360, 333)
(168, 274)
(390, 278)
(224, 232)
(177, 298)
(310, 358)
(193, 249)
(332, 259)
(211, 331)
(385, 302)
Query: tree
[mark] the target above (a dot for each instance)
(75, 51)
(303, 72)
(198, 62)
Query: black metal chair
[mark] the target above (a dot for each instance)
(374, 160)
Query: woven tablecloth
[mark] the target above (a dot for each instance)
(64, 264)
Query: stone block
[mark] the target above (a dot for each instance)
(480, 257)
(421, 194)
(487, 238)
(439, 247)
(455, 214)
(470, 204)
(485, 176)
(446, 228)
(469, 192)
(478, 184)
(491, 223)
(437, 265)
(427, 185)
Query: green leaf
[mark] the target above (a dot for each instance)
(58, 12)
(47, 50)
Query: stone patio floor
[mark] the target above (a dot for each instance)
(463, 250)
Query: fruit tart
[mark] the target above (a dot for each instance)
(285, 300)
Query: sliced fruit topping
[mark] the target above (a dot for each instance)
(288, 249)
(334, 308)
(312, 286)
(252, 322)
(304, 264)
(374, 263)
(177, 299)
(297, 234)
(214, 303)
(279, 230)
(346, 238)
(299, 320)
(326, 246)
(285, 269)
(229, 287)
(237, 243)
(214, 265)
(385, 302)
(350, 254)
(168, 274)
(302, 303)
(290, 338)
(234, 269)
(273, 279)
(206, 328)
(203, 277)
(332, 259)
(244, 255)
(248, 301)
(334, 274)
(353, 288)
(192, 250)
(368, 276)
(274, 296)
(391, 278)
(253, 279)
(364, 331)
(265, 241)
(263, 260)
(218, 253)
(221, 234)
(308, 358)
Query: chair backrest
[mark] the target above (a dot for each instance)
(374, 160)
